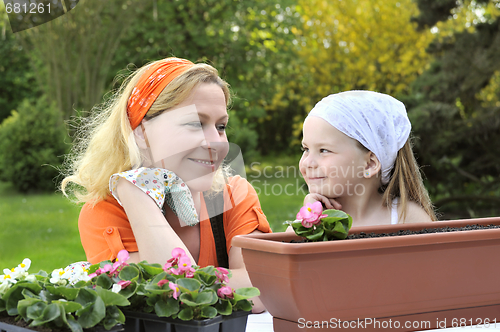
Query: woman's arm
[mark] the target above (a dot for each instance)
(154, 236)
(240, 275)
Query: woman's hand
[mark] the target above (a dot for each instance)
(154, 236)
(328, 203)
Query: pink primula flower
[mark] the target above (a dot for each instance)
(310, 214)
(225, 292)
(222, 274)
(176, 290)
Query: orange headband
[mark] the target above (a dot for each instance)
(151, 84)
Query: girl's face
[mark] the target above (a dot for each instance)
(332, 163)
(190, 140)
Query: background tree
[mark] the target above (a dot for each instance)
(455, 106)
(17, 80)
(346, 45)
(75, 52)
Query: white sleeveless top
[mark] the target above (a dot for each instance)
(394, 211)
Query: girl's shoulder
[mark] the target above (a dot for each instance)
(415, 213)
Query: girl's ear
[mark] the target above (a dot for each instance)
(373, 166)
(140, 138)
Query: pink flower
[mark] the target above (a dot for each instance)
(120, 262)
(175, 288)
(177, 253)
(101, 270)
(162, 282)
(124, 283)
(225, 292)
(222, 275)
(310, 214)
(184, 266)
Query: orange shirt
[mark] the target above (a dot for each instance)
(105, 229)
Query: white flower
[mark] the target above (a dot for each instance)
(116, 288)
(24, 266)
(31, 278)
(12, 273)
(8, 277)
(4, 286)
(57, 277)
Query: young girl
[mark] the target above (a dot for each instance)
(143, 164)
(358, 158)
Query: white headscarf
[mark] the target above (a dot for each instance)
(377, 121)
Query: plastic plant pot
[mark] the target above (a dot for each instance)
(449, 279)
(144, 322)
(6, 327)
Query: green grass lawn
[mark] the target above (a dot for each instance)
(44, 227)
(41, 227)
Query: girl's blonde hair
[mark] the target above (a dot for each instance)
(105, 143)
(407, 184)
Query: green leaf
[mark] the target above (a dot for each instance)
(207, 297)
(207, 269)
(246, 293)
(15, 294)
(205, 278)
(93, 268)
(92, 314)
(244, 305)
(35, 310)
(47, 296)
(316, 234)
(73, 324)
(27, 293)
(151, 269)
(332, 213)
(168, 308)
(224, 307)
(50, 313)
(113, 317)
(188, 284)
(67, 293)
(208, 312)
(110, 298)
(23, 305)
(129, 273)
(69, 306)
(86, 296)
(186, 314)
(159, 277)
(104, 281)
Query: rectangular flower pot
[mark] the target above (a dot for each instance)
(144, 322)
(444, 278)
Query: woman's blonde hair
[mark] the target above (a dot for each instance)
(105, 142)
(407, 184)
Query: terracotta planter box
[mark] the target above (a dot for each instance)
(143, 322)
(445, 279)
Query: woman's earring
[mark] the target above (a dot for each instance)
(367, 174)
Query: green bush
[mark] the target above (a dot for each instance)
(32, 146)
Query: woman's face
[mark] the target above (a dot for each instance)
(190, 139)
(332, 163)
